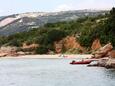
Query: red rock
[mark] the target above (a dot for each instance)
(96, 44)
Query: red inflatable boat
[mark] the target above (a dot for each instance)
(81, 62)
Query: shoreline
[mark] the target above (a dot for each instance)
(57, 56)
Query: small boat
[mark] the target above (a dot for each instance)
(81, 62)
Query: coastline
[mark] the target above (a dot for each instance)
(57, 56)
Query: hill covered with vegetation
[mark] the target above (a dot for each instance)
(85, 30)
(26, 21)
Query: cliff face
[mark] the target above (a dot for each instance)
(96, 44)
(70, 42)
(67, 43)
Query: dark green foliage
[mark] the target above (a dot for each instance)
(47, 39)
(111, 22)
(3, 40)
(41, 50)
(106, 30)
(14, 42)
(55, 35)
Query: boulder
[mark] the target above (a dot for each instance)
(108, 47)
(102, 52)
(105, 62)
(110, 63)
(102, 62)
(3, 54)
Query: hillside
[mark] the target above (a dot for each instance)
(75, 36)
(26, 21)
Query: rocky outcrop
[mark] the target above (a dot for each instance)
(103, 52)
(106, 56)
(31, 46)
(96, 44)
(67, 43)
(11, 51)
(112, 54)
(105, 62)
(110, 63)
(71, 42)
(102, 62)
(8, 51)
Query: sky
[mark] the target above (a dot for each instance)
(8, 7)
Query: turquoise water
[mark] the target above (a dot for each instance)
(52, 72)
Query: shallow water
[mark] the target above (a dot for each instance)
(52, 72)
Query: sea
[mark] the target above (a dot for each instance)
(52, 72)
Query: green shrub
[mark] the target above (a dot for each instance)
(41, 50)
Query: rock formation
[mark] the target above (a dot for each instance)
(31, 46)
(8, 51)
(70, 42)
(11, 51)
(67, 43)
(103, 52)
(96, 44)
(106, 55)
(112, 54)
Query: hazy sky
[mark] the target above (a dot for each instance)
(20, 6)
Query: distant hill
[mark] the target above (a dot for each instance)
(26, 21)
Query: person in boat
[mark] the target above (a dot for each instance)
(73, 61)
(82, 60)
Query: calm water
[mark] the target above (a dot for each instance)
(52, 72)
